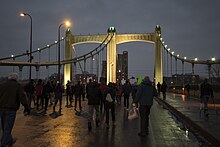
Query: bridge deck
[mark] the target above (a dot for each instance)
(71, 130)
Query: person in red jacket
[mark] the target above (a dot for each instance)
(39, 90)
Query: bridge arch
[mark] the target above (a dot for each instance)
(111, 50)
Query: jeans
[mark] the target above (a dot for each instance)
(7, 123)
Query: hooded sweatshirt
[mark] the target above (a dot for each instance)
(145, 93)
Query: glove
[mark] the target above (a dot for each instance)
(26, 111)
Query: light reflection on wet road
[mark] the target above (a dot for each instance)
(70, 130)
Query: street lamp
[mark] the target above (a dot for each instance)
(67, 23)
(30, 54)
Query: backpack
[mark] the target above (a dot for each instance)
(109, 98)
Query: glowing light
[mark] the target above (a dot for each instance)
(62, 38)
(67, 23)
(56, 42)
(38, 49)
(48, 45)
(185, 58)
(177, 55)
(168, 49)
(161, 39)
(22, 14)
(172, 52)
(12, 56)
(196, 59)
(165, 46)
(213, 59)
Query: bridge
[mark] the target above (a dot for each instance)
(109, 43)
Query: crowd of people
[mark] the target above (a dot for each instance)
(101, 97)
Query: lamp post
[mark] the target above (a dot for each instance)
(67, 23)
(30, 54)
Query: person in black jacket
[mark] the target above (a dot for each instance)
(78, 94)
(164, 89)
(206, 93)
(94, 103)
(110, 104)
(11, 95)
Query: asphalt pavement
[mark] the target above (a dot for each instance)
(69, 129)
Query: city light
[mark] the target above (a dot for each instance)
(196, 59)
(213, 59)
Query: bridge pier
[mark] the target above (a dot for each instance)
(111, 59)
(158, 57)
(68, 56)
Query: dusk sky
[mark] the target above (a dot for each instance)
(189, 27)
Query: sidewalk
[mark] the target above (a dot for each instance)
(70, 130)
(191, 109)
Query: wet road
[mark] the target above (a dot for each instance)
(70, 130)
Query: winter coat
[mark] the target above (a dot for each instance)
(39, 89)
(127, 88)
(58, 91)
(11, 95)
(95, 96)
(145, 93)
(206, 89)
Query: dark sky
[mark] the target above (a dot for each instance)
(189, 27)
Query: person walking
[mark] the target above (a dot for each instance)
(206, 92)
(58, 96)
(11, 95)
(158, 88)
(144, 96)
(68, 94)
(39, 90)
(187, 87)
(46, 95)
(103, 89)
(164, 89)
(30, 89)
(110, 103)
(94, 102)
(127, 92)
(78, 93)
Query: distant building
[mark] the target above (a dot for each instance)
(104, 69)
(122, 66)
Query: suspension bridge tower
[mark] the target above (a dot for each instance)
(112, 40)
(111, 56)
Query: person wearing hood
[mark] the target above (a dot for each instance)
(144, 96)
